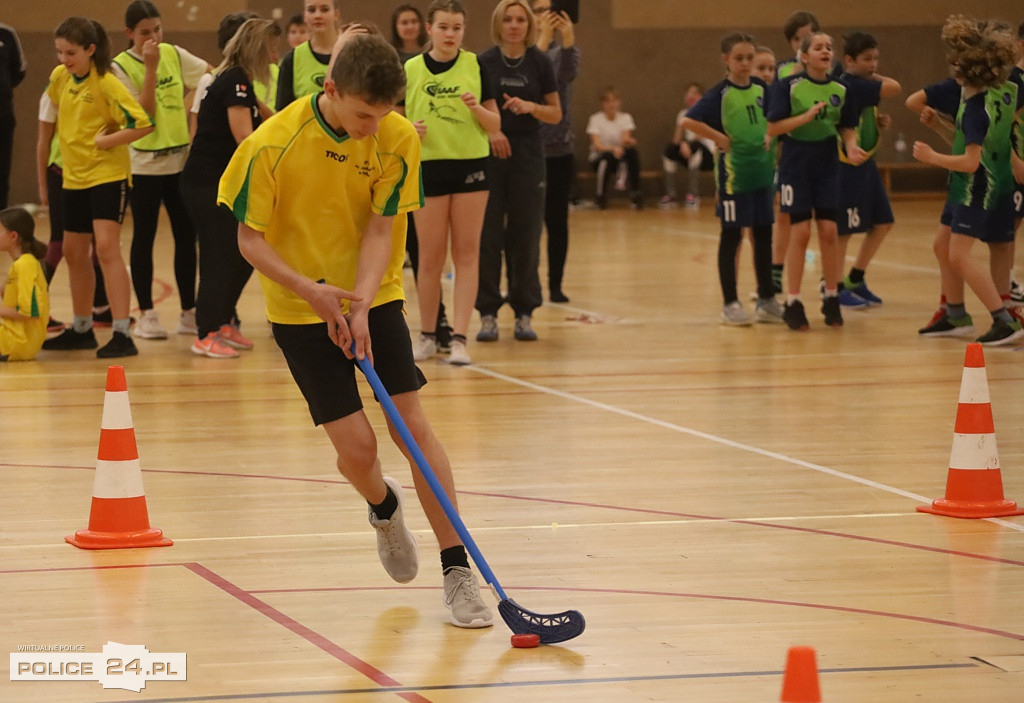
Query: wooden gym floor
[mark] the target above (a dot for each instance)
(706, 496)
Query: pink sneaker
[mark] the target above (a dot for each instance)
(231, 336)
(214, 347)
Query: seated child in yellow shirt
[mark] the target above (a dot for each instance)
(26, 303)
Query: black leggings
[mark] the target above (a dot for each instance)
(727, 248)
(145, 196)
(223, 271)
(561, 171)
(6, 151)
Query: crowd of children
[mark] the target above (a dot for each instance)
(790, 143)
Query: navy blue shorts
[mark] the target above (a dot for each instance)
(328, 380)
(809, 180)
(107, 201)
(863, 201)
(993, 226)
(753, 209)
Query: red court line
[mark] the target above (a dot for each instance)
(602, 506)
(311, 636)
(246, 597)
(700, 596)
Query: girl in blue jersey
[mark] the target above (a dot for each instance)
(980, 202)
(812, 110)
(732, 115)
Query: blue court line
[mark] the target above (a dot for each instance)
(553, 682)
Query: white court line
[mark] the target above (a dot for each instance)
(427, 533)
(719, 440)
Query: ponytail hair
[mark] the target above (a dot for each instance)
(85, 33)
(17, 220)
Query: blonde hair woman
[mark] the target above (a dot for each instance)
(228, 114)
(523, 83)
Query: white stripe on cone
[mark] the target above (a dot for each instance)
(117, 413)
(974, 386)
(118, 479)
(974, 451)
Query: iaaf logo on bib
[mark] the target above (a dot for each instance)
(124, 666)
(435, 90)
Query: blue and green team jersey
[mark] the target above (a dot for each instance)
(987, 119)
(865, 93)
(798, 93)
(739, 113)
(785, 69)
(1017, 140)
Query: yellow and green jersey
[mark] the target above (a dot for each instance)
(312, 191)
(86, 107)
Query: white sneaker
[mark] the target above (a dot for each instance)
(458, 355)
(187, 323)
(149, 326)
(462, 597)
(396, 546)
(424, 348)
(735, 314)
(768, 310)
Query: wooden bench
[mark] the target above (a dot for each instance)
(926, 182)
(932, 178)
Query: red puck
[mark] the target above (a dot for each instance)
(525, 641)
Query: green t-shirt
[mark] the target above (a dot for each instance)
(738, 112)
(986, 119)
(799, 93)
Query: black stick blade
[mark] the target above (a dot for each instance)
(550, 628)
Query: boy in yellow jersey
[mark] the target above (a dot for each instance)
(316, 191)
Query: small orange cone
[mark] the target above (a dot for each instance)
(800, 683)
(974, 485)
(119, 518)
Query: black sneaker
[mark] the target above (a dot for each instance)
(795, 317)
(444, 338)
(106, 318)
(69, 339)
(119, 345)
(948, 327)
(558, 296)
(830, 309)
(1002, 332)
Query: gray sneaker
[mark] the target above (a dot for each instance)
(488, 329)
(768, 310)
(524, 331)
(735, 314)
(462, 597)
(395, 544)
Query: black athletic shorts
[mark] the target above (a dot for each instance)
(449, 176)
(327, 378)
(107, 201)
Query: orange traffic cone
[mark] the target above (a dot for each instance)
(974, 486)
(118, 519)
(800, 683)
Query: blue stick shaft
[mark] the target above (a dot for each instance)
(428, 473)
